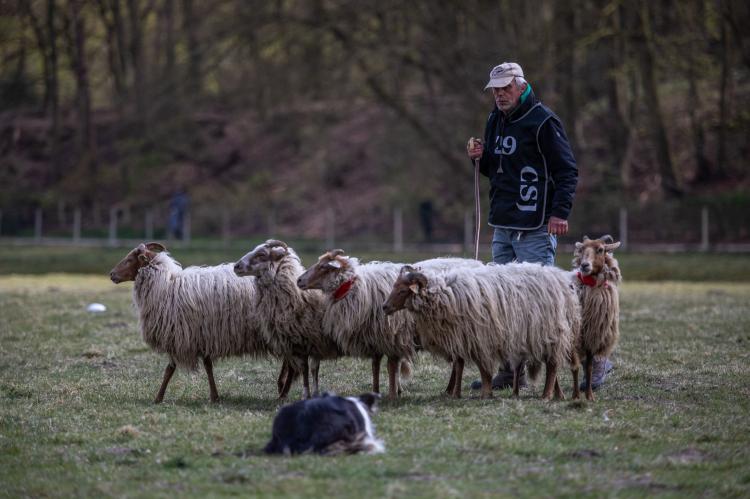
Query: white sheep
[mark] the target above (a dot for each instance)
(495, 313)
(291, 320)
(353, 315)
(446, 264)
(597, 278)
(194, 313)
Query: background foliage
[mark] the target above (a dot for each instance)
(275, 107)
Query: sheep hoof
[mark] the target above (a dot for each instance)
(590, 397)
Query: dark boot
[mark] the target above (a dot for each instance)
(602, 367)
(503, 379)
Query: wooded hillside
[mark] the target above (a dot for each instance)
(298, 107)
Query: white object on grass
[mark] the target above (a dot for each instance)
(96, 308)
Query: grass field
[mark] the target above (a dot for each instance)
(76, 417)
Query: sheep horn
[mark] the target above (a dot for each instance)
(585, 238)
(272, 243)
(155, 247)
(613, 246)
(418, 278)
(607, 238)
(336, 252)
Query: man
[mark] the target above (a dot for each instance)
(533, 177)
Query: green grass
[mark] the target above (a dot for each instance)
(76, 417)
(636, 267)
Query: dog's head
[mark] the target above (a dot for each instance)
(370, 401)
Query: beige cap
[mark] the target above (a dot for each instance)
(502, 74)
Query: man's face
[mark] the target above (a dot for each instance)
(506, 98)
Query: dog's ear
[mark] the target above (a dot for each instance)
(370, 400)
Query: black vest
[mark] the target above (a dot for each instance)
(520, 186)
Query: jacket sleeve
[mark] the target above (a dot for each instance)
(561, 164)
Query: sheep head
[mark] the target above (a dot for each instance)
(261, 258)
(410, 283)
(592, 256)
(327, 272)
(139, 257)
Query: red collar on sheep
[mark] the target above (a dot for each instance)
(590, 280)
(343, 289)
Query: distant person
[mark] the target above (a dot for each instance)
(178, 207)
(533, 177)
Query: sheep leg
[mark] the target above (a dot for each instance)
(315, 367)
(576, 387)
(393, 363)
(376, 373)
(290, 377)
(282, 376)
(452, 380)
(589, 375)
(549, 384)
(486, 383)
(458, 365)
(211, 383)
(516, 377)
(305, 378)
(168, 372)
(559, 394)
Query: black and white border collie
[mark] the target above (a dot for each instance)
(328, 424)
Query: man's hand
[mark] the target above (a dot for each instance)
(557, 226)
(474, 148)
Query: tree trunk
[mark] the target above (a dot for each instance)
(721, 155)
(115, 57)
(190, 21)
(137, 62)
(76, 36)
(566, 68)
(46, 38)
(668, 181)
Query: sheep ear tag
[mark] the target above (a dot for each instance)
(414, 288)
(335, 264)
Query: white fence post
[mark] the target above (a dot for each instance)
(704, 228)
(623, 228)
(38, 224)
(398, 230)
(330, 228)
(149, 224)
(112, 241)
(77, 225)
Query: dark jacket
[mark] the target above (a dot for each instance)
(529, 162)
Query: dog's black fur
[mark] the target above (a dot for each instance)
(325, 425)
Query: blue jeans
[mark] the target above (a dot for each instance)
(535, 246)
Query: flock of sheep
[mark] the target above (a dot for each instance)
(267, 304)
